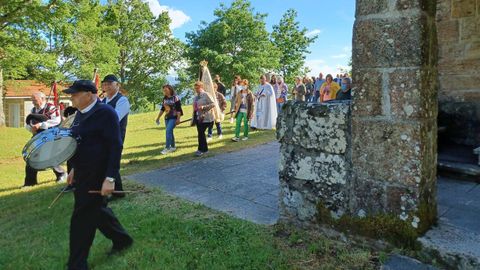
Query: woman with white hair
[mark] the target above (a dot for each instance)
(281, 91)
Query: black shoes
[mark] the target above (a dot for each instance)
(116, 249)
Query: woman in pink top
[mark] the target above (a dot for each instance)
(329, 89)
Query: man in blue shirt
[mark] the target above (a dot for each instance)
(318, 83)
(111, 87)
(94, 166)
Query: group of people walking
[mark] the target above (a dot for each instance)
(100, 125)
(254, 109)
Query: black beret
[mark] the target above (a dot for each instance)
(110, 78)
(35, 118)
(81, 86)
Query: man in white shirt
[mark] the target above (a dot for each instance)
(42, 117)
(119, 102)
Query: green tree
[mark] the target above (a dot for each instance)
(147, 49)
(292, 42)
(184, 85)
(86, 42)
(22, 47)
(235, 42)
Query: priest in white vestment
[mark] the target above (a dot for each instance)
(265, 114)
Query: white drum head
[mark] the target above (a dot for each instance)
(52, 153)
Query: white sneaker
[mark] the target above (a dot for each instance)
(172, 149)
(235, 139)
(220, 136)
(165, 151)
(244, 138)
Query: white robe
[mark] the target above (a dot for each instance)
(265, 113)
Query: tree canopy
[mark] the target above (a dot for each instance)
(65, 40)
(292, 42)
(235, 42)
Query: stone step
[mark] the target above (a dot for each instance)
(465, 171)
(454, 247)
(399, 262)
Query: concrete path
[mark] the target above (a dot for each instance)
(243, 184)
(457, 236)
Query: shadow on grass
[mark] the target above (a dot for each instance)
(139, 155)
(137, 165)
(143, 146)
(20, 187)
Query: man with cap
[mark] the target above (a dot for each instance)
(94, 166)
(111, 87)
(43, 116)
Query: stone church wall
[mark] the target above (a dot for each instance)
(458, 26)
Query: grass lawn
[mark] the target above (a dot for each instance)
(170, 233)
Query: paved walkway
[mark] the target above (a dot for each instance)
(458, 230)
(243, 183)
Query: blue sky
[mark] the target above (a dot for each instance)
(332, 20)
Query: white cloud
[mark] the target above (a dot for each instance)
(178, 17)
(343, 55)
(319, 65)
(313, 32)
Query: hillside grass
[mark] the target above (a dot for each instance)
(169, 233)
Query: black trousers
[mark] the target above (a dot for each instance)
(88, 216)
(202, 139)
(31, 174)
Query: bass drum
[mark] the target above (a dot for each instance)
(49, 148)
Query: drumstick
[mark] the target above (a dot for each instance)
(58, 197)
(113, 192)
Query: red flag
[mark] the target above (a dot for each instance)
(55, 94)
(96, 78)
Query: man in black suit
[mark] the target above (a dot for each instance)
(94, 167)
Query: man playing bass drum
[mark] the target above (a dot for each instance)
(43, 116)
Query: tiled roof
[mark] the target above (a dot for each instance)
(25, 88)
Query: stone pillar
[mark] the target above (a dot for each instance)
(314, 160)
(394, 113)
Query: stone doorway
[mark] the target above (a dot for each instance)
(458, 24)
